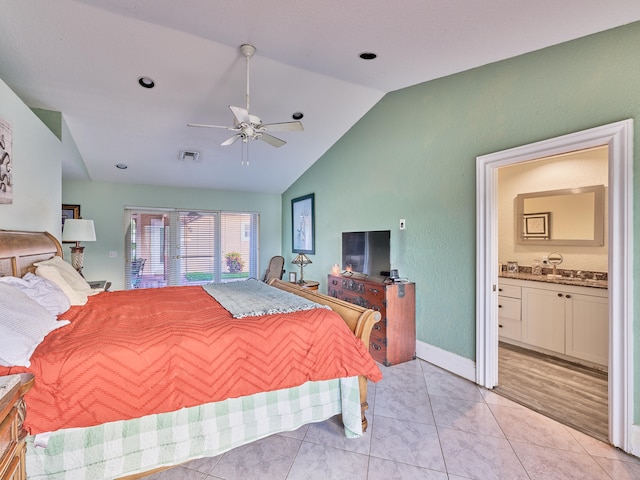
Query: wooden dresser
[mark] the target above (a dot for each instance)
(12, 411)
(393, 339)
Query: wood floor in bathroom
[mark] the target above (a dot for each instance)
(567, 392)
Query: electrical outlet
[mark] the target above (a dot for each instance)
(545, 259)
(403, 224)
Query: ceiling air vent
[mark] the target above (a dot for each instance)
(189, 155)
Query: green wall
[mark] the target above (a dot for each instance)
(413, 156)
(104, 203)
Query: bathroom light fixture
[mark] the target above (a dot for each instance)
(303, 261)
(78, 230)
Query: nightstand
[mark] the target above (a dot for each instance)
(12, 413)
(309, 284)
(100, 286)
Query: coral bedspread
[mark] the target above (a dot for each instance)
(131, 353)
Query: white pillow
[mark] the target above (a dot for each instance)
(70, 275)
(23, 326)
(53, 274)
(43, 291)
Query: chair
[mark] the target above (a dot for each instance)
(137, 266)
(275, 269)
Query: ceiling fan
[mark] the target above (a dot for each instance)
(247, 126)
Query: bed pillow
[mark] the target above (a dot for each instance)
(43, 291)
(23, 325)
(68, 273)
(53, 274)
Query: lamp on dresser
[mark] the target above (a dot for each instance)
(303, 261)
(78, 230)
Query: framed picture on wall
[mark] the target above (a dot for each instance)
(536, 225)
(303, 224)
(69, 211)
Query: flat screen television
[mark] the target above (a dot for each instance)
(368, 253)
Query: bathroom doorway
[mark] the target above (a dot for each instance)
(568, 388)
(618, 138)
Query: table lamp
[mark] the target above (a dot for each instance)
(78, 230)
(301, 260)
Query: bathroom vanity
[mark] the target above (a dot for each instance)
(563, 317)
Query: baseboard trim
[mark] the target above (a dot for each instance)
(634, 440)
(451, 362)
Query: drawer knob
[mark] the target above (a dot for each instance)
(499, 306)
(560, 295)
(568, 296)
(376, 347)
(500, 326)
(377, 326)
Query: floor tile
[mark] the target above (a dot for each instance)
(480, 457)
(270, 458)
(445, 384)
(331, 434)
(620, 470)
(464, 415)
(380, 469)
(406, 442)
(528, 426)
(319, 462)
(413, 405)
(178, 473)
(544, 463)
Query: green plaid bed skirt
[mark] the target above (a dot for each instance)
(122, 448)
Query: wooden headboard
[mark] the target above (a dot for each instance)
(19, 250)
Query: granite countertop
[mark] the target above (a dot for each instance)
(578, 282)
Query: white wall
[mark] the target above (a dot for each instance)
(37, 159)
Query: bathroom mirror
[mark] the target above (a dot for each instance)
(572, 216)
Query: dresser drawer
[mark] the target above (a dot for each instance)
(8, 440)
(513, 291)
(509, 308)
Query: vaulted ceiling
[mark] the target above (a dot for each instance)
(84, 59)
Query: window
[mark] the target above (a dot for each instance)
(166, 247)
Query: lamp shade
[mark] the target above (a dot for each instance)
(78, 230)
(301, 260)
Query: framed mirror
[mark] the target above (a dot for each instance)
(572, 216)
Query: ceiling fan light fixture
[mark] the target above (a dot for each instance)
(146, 82)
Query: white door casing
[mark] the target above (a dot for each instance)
(619, 138)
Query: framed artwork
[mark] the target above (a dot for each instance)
(536, 225)
(293, 277)
(6, 165)
(303, 224)
(70, 211)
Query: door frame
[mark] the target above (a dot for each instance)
(619, 138)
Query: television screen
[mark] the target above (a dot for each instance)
(367, 252)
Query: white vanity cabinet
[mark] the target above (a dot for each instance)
(570, 320)
(509, 312)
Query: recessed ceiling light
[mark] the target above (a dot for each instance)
(297, 115)
(146, 82)
(368, 55)
(121, 166)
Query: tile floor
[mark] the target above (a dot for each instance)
(424, 424)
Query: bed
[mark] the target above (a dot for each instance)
(97, 437)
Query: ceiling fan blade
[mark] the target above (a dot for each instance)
(241, 114)
(231, 140)
(284, 127)
(271, 140)
(208, 126)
